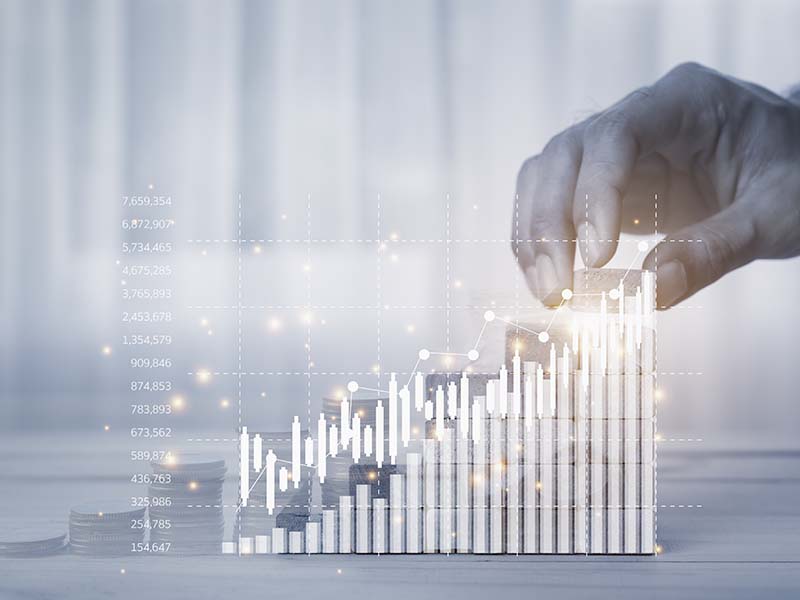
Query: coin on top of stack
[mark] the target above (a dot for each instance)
(104, 528)
(31, 539)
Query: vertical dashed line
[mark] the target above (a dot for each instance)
(239, 343)
(655, 376)
(447, 272)
(308, 335)
(378, 299)
(587, 422)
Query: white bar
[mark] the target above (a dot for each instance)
(312, 537)
(439, 412)
(530, 512)
(379, 533)
(490, 399)
(564, 468)
(283, 479)
(431, 485)
(479, 480)
(379, 443)
(414, 503)
(446, 530)
(463, 415)
(405, 411)
(322, 446)
(295, 542)
(539, 391)
(463, 500)
(278, 540)
(452, 400)
(598, 457)
(345, 524)
(631, 425)
(419, 391)
(362, 518)
(263, 544)
(513, 529)
(355, 438)
(245, 546)
(229, 547)
(530, 402)
(516, 403)
(296, 451)
(257, 455)
(546, 495)
(244, 473)
(393, 419)
(333, 441)
(580, 393)
(496, 453)
(614, 435)
(344, 419)
(269, 478)
(553, 379)
(396, 510)
(368, 440)
(502, 391)
(329, 531)
(428, 410)
(309, 451)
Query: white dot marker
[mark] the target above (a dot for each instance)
(642, 246)
(544, 337)
(566, 293)
(614, 294)
(489, 316)
(472, 354)
(424, 354)
(352, 386)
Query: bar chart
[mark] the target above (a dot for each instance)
(549, 456)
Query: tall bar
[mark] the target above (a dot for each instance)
(565, 470)
(362, 518)
(463, 495)
(631, 427)
(497, 483)
(530, 514)
(345, 524)
(244, 473)
(396, 513)
(614, 437)
(546, 479)
(312, 537)
(430, 493)
(414, 503)
(597, 507)
(329, 533)
(379, 531)
(446, 531)
(513, 447)
(278, 540)
(480, 479)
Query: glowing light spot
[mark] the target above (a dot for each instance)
(338, 571)
(177, 402)
(193, 485)
(106, 350)
(457, 283)
(203, 376)
(474, 207)
(204, 322)
(256, 249)
(659, 549)
(376, 368)
(410, 328)
(210, 332)
(636, 221)
(566, 293)
(122, 571)
(274, 324)
(204, 253)
(395, 258)
(306, 267)
(372, 475)
(224, 403)
(106, 427)
(263, 394)
(393, 236)
(538, 485)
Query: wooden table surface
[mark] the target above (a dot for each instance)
(743, 542)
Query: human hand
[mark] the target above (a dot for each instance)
(723, 156)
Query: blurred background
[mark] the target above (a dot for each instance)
(407, 118)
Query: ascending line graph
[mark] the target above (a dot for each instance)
(555, 457)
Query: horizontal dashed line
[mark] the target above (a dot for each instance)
(456, 506)
(371, 373)
(422, 241)
(555, 438)
(384, 307)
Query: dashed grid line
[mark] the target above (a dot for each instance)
(239, 336)
(431, 241)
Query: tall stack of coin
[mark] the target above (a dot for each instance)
(105, 528)
(186, 504)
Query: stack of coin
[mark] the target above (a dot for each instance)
(32, 539)
(105, 528)
(186, 504)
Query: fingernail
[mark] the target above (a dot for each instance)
(671, 283)
(588, 243)
(546, 279)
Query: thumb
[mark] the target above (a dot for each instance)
(701, 253)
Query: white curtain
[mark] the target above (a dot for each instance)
(346, 101)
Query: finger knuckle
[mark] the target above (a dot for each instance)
(527, 172)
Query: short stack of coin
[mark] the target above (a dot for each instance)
(105, 528)
(186, 504)
(32, 539)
